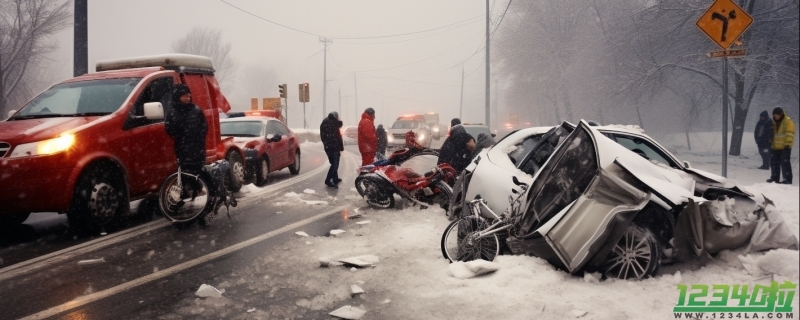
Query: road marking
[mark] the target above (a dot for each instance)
(86, 247)
(84, 300)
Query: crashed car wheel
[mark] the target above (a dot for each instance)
(636, 255)
(460, 242)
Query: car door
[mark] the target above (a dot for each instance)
(153, 155)
(576, 199)
(277, 147)
(291, 141)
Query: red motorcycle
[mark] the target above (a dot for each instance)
(379, 182)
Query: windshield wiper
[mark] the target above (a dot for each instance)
(37, 116)
(89, 114)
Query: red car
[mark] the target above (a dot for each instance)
(267, 143)
(87, 146)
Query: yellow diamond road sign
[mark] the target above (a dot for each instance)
(724, 22)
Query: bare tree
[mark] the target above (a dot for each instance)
(26, 39)
(208, 42)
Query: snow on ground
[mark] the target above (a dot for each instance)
(412, 280)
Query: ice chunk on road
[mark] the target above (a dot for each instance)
(337, 232)
(309, 191)
(91, 261)
(315, 202)
(367, 260)
(363, 222)
(251, 310)
(207, 291)
(354, 290)
(301, 233)
(348, 312)
(471, 269)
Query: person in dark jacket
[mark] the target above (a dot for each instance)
(382, 140)
(457, 148)
(763, 135)
(332, 142)
(187, 126)
(367, 138)
(455, 122)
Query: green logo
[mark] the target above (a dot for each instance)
(774, 297)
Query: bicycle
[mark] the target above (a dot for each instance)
(183, 203)
(476, 234)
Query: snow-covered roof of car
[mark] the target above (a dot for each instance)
(162, 60)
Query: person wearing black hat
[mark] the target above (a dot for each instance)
(332, 143)
(367, 137)
(782, 141)
(763, 135)
(454, 122)
(187, 126)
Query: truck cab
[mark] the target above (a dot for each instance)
(85, 146)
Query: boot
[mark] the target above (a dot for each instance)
(771, 180)
(786, 182)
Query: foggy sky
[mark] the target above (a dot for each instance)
(389, 76)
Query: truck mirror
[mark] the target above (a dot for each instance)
(686, 164)
(153, 111)
(11, 113)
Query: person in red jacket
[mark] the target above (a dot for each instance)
(367, 139)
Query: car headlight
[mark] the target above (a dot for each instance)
(389, 137)
(435, 129)
(44, 147)
(421, 136)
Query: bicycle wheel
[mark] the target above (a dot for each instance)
(459, 242)
(184, 200)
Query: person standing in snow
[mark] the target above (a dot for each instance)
(782, 141)
(382, 140)
(367, 138)
(187, 126)
(763, 135)
(457, 148)
(332, 143)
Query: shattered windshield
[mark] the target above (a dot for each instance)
(85, 98)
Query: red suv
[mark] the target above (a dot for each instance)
(268, 144)
(85, 147)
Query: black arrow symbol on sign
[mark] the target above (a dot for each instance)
(724, 19)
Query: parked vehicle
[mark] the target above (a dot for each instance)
(84, 147)
(408, 123)
(474, 129)
(437, 128)
(268, 144)
(596, 205)
(377, 183)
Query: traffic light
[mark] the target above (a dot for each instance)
(282, 89)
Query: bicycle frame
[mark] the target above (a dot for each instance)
(501, 222)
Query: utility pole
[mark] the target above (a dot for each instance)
(725, 117)
(461, 102)
(80, 62)
(325, 41)
(495, 101)
(488, 70)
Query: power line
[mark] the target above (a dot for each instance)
(344, 37)
(497, 26)
(412, 39)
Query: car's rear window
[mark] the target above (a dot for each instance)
(475, 131)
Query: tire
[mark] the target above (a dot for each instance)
(295, 167)
(457, 243)
(237, 173)
(370, 190)
(262, 172)
(170, 192)
(13, 220)
(99, 199)
(446, 194)
(636, 255)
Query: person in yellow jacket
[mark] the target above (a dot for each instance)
(781, 148)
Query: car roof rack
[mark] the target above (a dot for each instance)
(175, 61)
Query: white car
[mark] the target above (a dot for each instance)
(595, 191)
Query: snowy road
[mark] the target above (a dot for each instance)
(127, 280)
